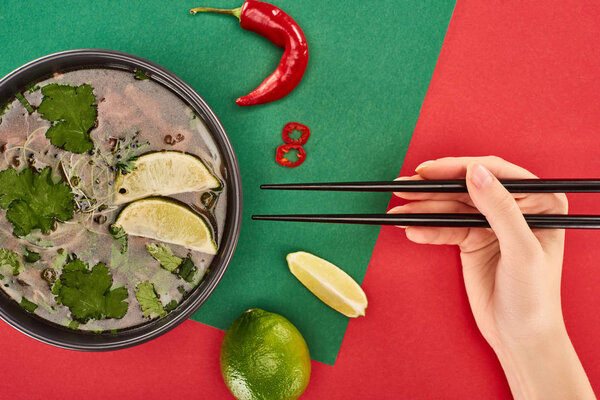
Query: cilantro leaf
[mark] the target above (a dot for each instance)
(187, 269)
(32, 88)
(141, 75)
(24, 102)
(164, 256)
(3, 109)
(73, 325)
(149, 302)
(28, 305)
(31, 256)
(171, 305)
(33, 200)
(119, 234)
(87, 292)
(73, 114)
(9, 258)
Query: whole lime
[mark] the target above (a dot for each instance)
(264, 356)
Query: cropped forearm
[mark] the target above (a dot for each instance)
(547, 368)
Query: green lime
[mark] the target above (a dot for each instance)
(264, 356)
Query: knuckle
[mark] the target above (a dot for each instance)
(562, 203)
(495, 159)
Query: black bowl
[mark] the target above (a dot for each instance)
(60, 336)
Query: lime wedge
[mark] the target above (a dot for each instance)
(163, 173)
(167, 221)
(329, 283)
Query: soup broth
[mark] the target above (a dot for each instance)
(134, 117)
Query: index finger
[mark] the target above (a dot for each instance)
(456, 168)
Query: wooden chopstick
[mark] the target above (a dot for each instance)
(448, 186)
(540, 221)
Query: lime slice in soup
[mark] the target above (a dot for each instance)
(163, 173)
(167, 221)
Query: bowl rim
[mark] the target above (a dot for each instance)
(63, 337)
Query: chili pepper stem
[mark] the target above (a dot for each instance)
(236, 12)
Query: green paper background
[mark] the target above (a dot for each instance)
(370, 65)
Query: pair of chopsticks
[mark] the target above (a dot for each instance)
(543, 221)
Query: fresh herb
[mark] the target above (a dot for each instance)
(149, 302)
(2, 277)
(141, 75)
(28, 305)
(32, 200)
(187, 269)
(55, 290)
(32, 88)
(25, 103)
(31, 256)
(3, 109)
(184, 268)
(72, 111)
(125, 152)
(171, 305)
(38, 240)
(126, 166)
(182, 290)
(9, 258)
(119, 234)
(88, 293)
(164, 256)
(73, 325)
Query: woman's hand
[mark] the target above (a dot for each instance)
(512, 274)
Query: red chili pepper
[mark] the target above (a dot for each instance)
(277, 26)
(284, 149)
(290, 127)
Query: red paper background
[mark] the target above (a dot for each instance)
(519, 79)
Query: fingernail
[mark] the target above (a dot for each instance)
(480, 176)
(423, 165)
(402, 178)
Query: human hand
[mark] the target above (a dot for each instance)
(512, 274)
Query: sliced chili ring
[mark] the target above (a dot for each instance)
(284, 149)
(290, 127)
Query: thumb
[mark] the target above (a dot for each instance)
(500, 209)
